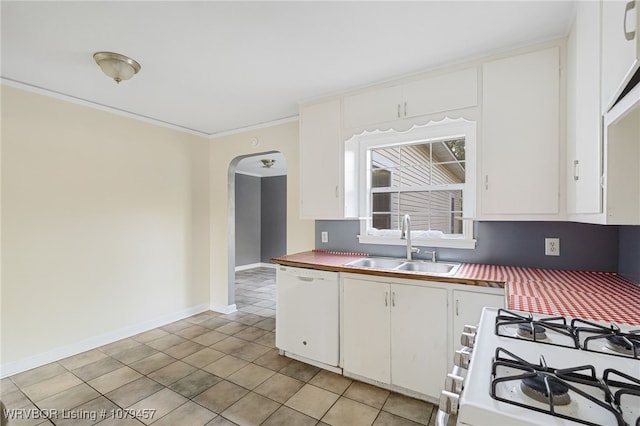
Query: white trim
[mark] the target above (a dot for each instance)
(79, 101)
(259, 175)
(223, 309)
(101, 107)
(459, 243)
(254, 127)
(433, 131)
(57, 354)
(255, 265)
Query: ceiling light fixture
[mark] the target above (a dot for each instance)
(116, 66)
(268, 162)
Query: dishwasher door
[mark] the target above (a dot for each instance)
(307, 313)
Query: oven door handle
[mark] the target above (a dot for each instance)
(442, 418)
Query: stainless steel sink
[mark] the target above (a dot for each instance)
(430, 267)
(392, 264)
(377, 263)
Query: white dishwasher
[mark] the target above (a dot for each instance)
(307, 314)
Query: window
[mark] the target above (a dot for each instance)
(427, 173)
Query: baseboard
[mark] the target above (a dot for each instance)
(255, 265)
(223, 309)
(15, 367)
(332, 368)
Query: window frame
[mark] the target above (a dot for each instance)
(433, 132)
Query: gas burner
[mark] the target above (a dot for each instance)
(608, 340)
(549, 330)
(539, 386)
(558, 392)
(527, 330)
(622, 345)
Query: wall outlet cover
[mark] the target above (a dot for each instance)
(325, 236)
(552, 246)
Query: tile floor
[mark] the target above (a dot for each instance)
(209, 369)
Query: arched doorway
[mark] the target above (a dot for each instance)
(257, 213)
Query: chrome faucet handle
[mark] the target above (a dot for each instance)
(415, 250)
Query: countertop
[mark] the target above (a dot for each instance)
(599, 296)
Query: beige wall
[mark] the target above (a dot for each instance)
(300, 233)
(105, 224)
(111, 225)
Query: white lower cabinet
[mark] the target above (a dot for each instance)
(467, 308)
(395, 334)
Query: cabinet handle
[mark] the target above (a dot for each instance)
(405, 109)
(386, 298)
(399, 115)
(486, 182)
(629, 35)
(457, 307)
(308, 279)
(336, 191)
(393, 299)
(576, 169)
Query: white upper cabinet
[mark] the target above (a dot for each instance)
(373, 106)
(321, 153)
(520, 136)
(444, 92)
(620, 47)
(584, 141)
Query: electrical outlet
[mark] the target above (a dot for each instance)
(552, 246)
(325, 237)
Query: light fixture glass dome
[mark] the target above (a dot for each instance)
(116, 66)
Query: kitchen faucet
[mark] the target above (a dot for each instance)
(405, 234)
(433, 256)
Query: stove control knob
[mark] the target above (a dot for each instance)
(468, 339)
(453, 383)
(448, 402)
(462, 357)
(469, 329)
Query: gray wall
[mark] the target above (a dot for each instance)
(261, 218)
(582, 246)
(629, 253)
(248, 221)
(274, 218)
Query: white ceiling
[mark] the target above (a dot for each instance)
(211, 67)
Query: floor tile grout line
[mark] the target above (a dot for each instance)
(234, 318)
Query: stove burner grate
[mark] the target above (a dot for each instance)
(622, 345)
(535, 330)
(595, 337)
(551, 385)
(531, 331)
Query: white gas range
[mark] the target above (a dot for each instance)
(530, 369)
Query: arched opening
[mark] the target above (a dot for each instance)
(257, 188)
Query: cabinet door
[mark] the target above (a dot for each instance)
(372, 107)
(584, 146)
(366, 329)
(467, 307)
(320, 161)
(419, 338)
(520, 143)
(446, 92)
(620, 47)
